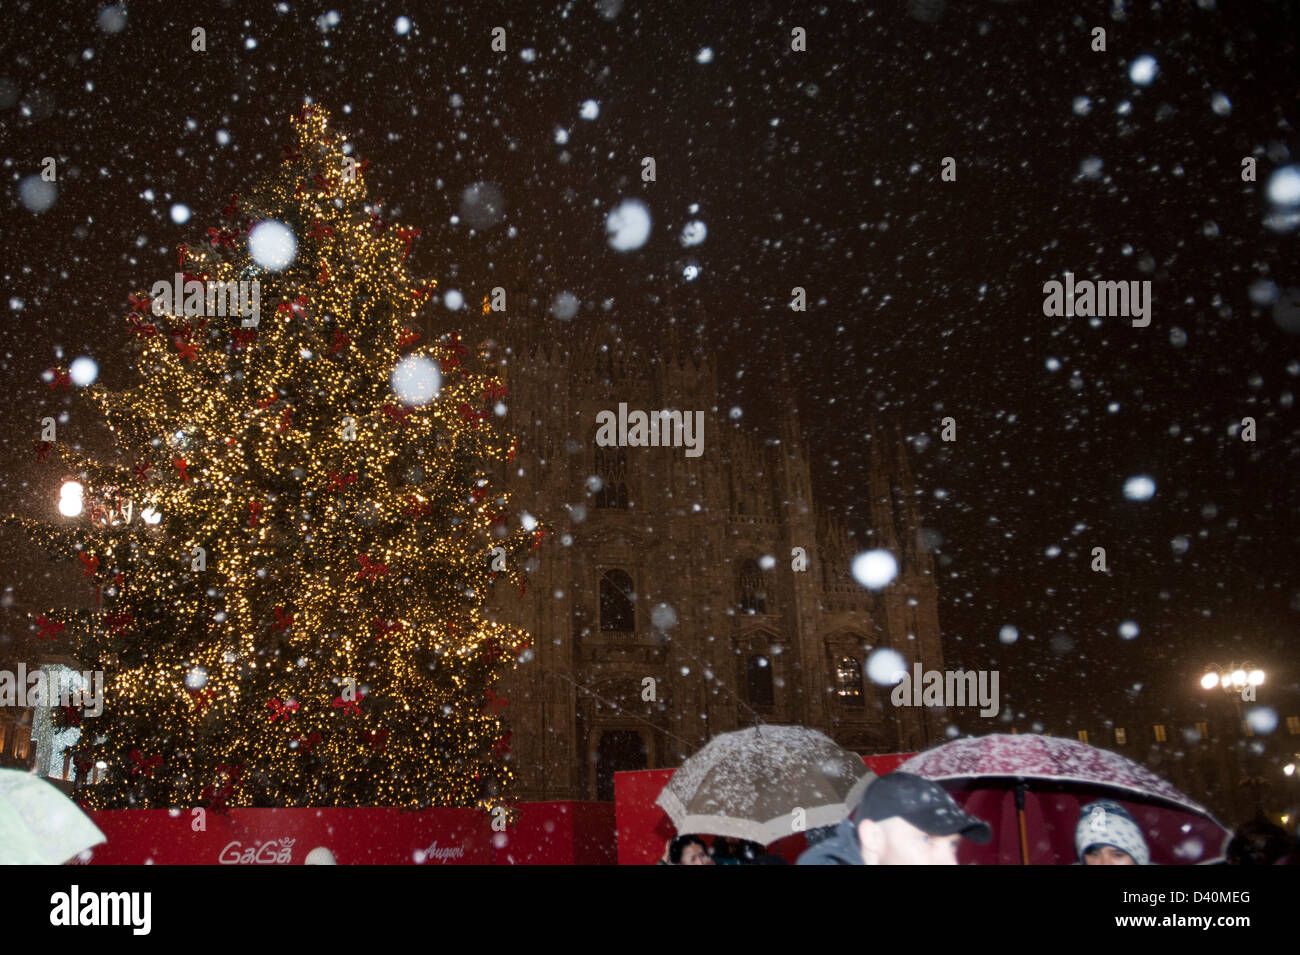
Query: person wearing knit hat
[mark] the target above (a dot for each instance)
(1107, 835)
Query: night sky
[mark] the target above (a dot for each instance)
(818, 169)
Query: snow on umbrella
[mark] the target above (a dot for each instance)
(752, 783)
(38, 824)
(1031, 789)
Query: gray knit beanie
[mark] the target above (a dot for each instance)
(1107, 823)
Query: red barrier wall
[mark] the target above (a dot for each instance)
(554, 833)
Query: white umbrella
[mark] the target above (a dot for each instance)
(765, 783)
(38, 824)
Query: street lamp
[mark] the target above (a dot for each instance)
(1235, 679)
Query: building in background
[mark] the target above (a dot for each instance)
(664, 607)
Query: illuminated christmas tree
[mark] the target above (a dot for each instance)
(299, 530)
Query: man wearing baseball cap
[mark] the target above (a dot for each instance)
(902, 819)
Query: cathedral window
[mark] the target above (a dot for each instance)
(753, 589)
(617, 608)
(848, 681)
(611, 468)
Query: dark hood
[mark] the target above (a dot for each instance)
(840, 849)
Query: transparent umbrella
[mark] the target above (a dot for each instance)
(38, 824)
(765, 783)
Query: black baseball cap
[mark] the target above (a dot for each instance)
(921, 802)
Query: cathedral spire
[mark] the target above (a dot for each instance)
(917, 553)
(882, 506)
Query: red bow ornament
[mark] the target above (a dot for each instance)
(407, 236)
(144, 764)
(281, 710)
(336, 482)
(283, 621)
(397, 413)
(369, 569)
(349, 706)
(475, 418)
(341, 341)
(141, 329)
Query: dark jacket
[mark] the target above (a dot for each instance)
(842, 848)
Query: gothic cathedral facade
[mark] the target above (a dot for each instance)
(666, 606)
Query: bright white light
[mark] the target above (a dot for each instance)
(402, 26)
(1128, 630)
(628, 225)
(112, 19)
(83, 371)
(150, 516)
(1256, 677)
(704, 56)
(1139, 488)
(197, 678)
(1289, 769)
(874, 569)
(527, 522)
(663, 617)
(1262, 719)
(36, 194)
(590, 109)
(416, 380)
(70, 499)
(694, 232)
(453, 300)
(1284, 186)
(1143, 70)
(1008, 634)
(1210, 681)
(886, 667)
(272, 245)
(180, 213)
(1238, 677)
(565, 306)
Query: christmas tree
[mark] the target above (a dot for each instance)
(297, 535)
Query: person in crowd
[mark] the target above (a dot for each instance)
(901, 819)
(729, 851)
(1107, 835)
(689, 850)
(1258, 842)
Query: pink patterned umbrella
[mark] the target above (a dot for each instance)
(1031, 789)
